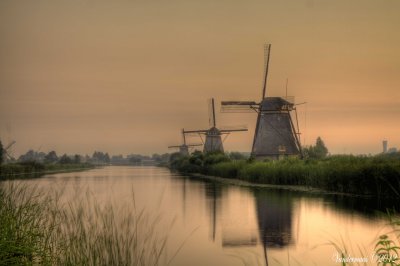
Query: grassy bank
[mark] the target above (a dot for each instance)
(34, 169)
(373, 175)
(35, 228)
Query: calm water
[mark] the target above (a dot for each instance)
(221, 224)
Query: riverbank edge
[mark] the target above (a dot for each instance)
(37, 174)
(296, 188)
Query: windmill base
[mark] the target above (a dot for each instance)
(274, 157)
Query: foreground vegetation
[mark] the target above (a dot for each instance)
(34, 169)
(35, 228)
(364, 175)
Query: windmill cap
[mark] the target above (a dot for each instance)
(274, 103)
(213, 131)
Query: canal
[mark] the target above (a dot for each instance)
(212, 223)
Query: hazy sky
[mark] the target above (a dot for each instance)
(126, 76)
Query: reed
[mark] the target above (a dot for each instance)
(25, 230)
(36, 228)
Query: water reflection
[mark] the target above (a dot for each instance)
(258, 226)
(213, 192)
(273, 212)
(274, 216)
(277, 217)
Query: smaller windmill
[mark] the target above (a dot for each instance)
(184, 148)
(213, 141)
(7, 151)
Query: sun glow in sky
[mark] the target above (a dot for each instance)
(126, 76)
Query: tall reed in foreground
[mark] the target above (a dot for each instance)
(103, 235)
(35, 228)
(25, 228)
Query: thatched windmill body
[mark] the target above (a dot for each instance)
(275, 134)
(213, 136)
(184, 148)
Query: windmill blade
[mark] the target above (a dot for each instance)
(224, 131)
(195, 145)
(267, 51)
(195, 133)
(201, 131)
(174, 146)
(9, 145)
(8, 155)
(239, 106)
(234, 128)
(211, 113)
(183, 136)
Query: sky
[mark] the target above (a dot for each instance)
(125, 76)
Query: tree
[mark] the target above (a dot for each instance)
(51, 157)
(77, 158)
(65, 159)
(101, 157)
(318, 151)
(29, 156)
(107, 158)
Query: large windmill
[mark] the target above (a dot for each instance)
(184, 148)
(213, 141)
(275, 134)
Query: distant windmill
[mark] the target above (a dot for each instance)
(213, 135)
(7, 151)
(275, 134)
(184, 148)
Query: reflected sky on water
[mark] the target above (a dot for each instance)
(220, 224)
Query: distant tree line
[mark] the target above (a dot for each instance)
(98, 157)
(49, 158)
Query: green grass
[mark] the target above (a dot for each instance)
(36, 229)
(374, 175)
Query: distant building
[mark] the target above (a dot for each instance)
(384, 146)
(392, 150)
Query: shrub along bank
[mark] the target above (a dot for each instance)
(34, 169)
(364, 175)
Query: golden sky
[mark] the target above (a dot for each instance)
(126, 76)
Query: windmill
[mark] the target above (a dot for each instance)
(184, 148)
(7, 151)
(275, 135)
(213, 135)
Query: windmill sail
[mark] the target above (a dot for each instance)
(239, 106)
(211, 113)
(213, 141)
(267, 51)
